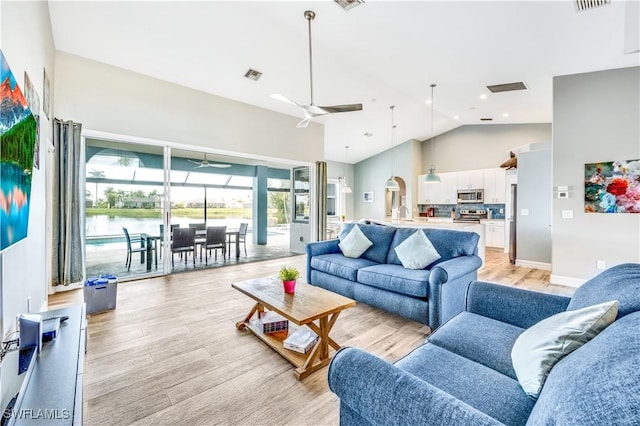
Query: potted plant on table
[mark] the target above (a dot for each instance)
(289, 275)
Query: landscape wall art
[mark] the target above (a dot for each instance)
(18, 129)
(612, 187)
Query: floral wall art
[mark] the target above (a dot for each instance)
(612, 187)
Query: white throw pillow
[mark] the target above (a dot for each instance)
(355, 243)
(541, 346)
(417, 252)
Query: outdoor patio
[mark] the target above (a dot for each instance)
(110, 258)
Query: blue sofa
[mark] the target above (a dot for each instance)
(429, 296)
(463, 374)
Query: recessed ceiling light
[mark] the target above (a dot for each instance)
(456, 117)
(428, 102)
(253, 75)
(483, 96)
(368, 134)
(505, 115)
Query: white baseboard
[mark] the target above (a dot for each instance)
(568, 281)
(535, 265)
(63, 288)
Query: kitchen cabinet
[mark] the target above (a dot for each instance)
(494, 233)
(427, 193)
(471, 179)
(494, 186)
(448, 191)
(445, 192)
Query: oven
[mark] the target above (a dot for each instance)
(471, 216)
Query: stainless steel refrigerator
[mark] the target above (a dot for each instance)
(513, 214)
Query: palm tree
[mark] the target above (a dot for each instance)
(97, 174)
(111, 195)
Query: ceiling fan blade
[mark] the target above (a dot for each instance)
(194, 162)
(314, 110)
(304, 123)
(282, 98)
(219, 165)
(342, 108)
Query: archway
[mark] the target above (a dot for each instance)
(396, 202)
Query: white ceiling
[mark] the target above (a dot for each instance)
(379, 53)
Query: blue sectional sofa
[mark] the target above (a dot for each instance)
(429, 296)
(464, 374)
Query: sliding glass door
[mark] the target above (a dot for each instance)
(137, 195)
(124, 202)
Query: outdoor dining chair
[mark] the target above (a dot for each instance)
(184, 241)
(173, 226)
(130, 249)
(241, 236)
(216, 239)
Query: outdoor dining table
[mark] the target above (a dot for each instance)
(201, 237)
(151, 242)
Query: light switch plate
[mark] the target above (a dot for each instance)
(567, 214)
(601, 264)
(524, 212)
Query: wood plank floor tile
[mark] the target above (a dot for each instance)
(170, 352)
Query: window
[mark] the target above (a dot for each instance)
(301, 194)
(333, 198)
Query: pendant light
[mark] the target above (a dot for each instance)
(346, 189)
(392, 184)
(432, 177)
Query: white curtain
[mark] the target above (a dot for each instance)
(67, 221)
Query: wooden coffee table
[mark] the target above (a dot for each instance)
(307, 305)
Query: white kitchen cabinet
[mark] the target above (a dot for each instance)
(494, 233)
(447, 193)
(471, 179)
(494, 186)
(427, 193)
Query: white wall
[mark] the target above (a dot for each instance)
(27, 43)
(595, 118)
(110, 99)
(481, 146)
(372, 173)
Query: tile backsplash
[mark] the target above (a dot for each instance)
(444, 210)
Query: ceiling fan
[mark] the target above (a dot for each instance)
(206, 163)
(312, 110)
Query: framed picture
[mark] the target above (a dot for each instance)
(367, 197)
(612, 187)
(46, 95)
(33, 102)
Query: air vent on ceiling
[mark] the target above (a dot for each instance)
(486, 119)
(253, 75)
(349, 4)
(508, 87)
(582, 5)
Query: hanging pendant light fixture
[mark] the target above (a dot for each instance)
(346, 189)
(432, 177)
(392, 184)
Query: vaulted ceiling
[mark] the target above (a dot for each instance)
(380, 53)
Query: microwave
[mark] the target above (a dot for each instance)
(469, 196)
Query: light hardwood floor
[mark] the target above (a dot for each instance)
(170, 353)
